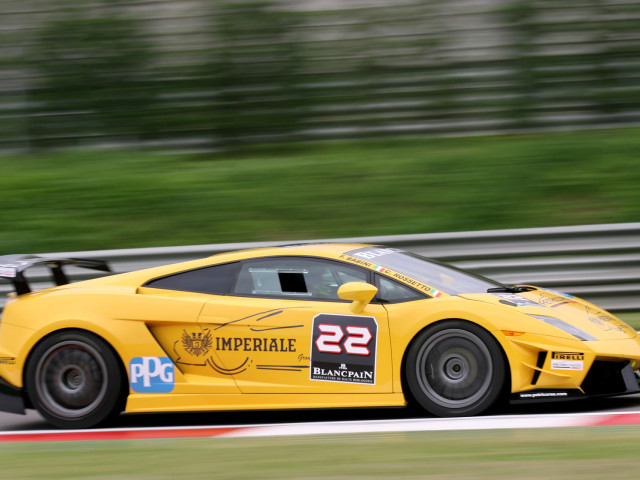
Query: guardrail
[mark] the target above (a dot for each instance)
(600, 263)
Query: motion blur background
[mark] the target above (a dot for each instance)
(146, 122)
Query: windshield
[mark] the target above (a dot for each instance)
(438, 275)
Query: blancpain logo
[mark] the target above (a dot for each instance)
(343, 373)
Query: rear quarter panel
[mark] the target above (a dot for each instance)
(115, 314)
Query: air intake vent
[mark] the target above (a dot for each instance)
(606, 378)
(542, 356)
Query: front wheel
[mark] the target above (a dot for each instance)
(73, 379)
(455, 368)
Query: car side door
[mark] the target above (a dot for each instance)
(284, 329)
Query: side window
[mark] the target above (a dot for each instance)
(216, 279)
(296, 278)
(390, 291)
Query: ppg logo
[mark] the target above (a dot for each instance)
(151, 374)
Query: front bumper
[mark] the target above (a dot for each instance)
(603, 379)
(11, 398)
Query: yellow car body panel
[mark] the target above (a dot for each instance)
(276, 349)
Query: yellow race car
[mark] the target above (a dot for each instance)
(307, 326)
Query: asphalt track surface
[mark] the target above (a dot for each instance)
(32, 421)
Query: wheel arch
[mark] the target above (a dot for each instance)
(124, 382)
(406, 391)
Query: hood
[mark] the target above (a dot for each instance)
(577, 312)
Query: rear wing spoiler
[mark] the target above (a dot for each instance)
(12, 268)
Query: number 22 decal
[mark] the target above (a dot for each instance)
(343, 349)
(330, 339)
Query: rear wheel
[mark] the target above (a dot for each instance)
(455, 368)
(73, 379)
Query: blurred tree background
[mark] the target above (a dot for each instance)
(227, 73)
(210, 114)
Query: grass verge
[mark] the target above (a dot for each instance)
(577, 453)
(105, 200)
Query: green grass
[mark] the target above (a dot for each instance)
(631, 318)
(104, 200)
(577, 453)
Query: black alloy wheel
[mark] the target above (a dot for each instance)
(73, 379)
(455, 368)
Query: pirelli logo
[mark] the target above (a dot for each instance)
(567, 356)
(567, 361)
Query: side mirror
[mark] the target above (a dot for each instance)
(361, 293)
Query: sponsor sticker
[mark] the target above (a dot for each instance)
(343, 349)
(197, 343)
(606, 321)
(151, 374)
(7, 272)
(371, 253)
(517, 299)
(553, 299)
(543, 394)
(567, 361)
(358, 257)
(201, 348)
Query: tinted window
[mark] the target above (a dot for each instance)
(216, 279)
(394, 292)
(296, 277)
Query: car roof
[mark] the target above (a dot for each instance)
(329, 250)
(138, 277)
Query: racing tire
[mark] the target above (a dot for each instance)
(455, 368)
(73, 378)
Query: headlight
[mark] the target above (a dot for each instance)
(566, 327)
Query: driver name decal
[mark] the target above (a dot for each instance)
(343, 349)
